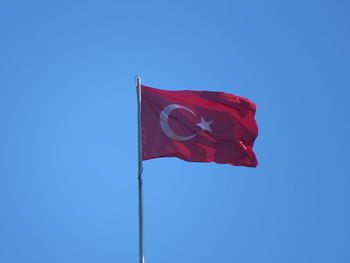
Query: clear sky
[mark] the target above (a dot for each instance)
(68, 136)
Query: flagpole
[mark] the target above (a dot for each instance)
(140, 169)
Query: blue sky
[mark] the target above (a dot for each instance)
(68, 144)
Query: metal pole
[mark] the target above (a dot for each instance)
(140, 169)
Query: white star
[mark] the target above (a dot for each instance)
(205, 125)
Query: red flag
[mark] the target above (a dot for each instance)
(198, 126)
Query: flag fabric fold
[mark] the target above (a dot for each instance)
(198, 126)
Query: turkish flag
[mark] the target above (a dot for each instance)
(198, 126)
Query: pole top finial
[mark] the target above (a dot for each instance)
(137, 79)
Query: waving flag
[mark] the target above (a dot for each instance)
(198, 126)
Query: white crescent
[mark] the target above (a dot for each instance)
(164, 115)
